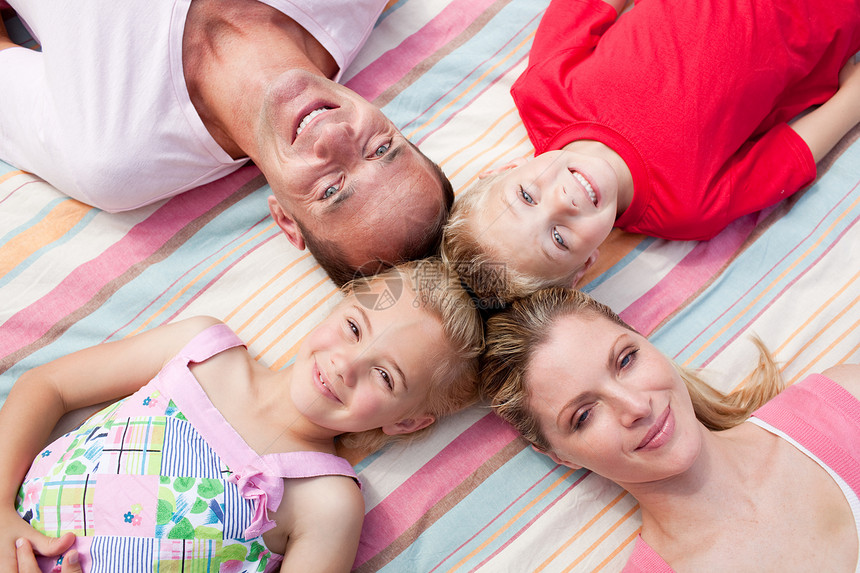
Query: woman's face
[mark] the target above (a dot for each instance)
(608, 400)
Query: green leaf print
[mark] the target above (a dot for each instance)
(164, 511)
(204, 532)
(181, 484)
(182, 530)
(199, 506)
(256, 549)
(234, 552)
(210, 488)
(75, 468)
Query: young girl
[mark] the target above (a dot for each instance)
(190, 468)
(670, 121)
(777, 492)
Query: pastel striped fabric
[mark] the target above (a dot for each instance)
(472, 496)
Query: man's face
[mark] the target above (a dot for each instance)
(341, 169)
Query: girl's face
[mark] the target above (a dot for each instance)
(369, 364)
(608, 400)
(546, 217)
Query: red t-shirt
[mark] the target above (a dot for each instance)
(694, 96)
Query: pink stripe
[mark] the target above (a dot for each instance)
(386, 70)
(688, 276)
(142, 240)
(426, 487)
(525, 527)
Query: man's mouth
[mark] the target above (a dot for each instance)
(307, 119)
(586, 185)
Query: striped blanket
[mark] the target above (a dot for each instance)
(472, 496)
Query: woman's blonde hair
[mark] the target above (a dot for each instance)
(488, 276)
(437, 291)
(514, 335)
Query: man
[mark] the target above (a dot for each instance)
(132, 102)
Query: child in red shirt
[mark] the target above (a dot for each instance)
(671, 120)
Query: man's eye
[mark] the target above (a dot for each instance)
(382, 150)
(557, 237)
(330, 191)
(526, 197)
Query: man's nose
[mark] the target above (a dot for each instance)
(335, 141)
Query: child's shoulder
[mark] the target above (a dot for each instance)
(847, 376)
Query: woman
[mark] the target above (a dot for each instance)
(717, 493)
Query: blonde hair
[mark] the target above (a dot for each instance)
(454, 386)
(515, 334)
(486, 274)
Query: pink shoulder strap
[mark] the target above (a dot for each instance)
(209, 342)
(304, 464)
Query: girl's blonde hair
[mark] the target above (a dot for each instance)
(492, 281)
(514, 335)
(437, 291)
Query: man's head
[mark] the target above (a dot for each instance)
(347, 184)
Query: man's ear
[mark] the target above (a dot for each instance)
(585, 266)
(287, 224)
(557, 459)
(507, 166)
(408, 425)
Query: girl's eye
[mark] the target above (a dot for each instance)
(526, 197)
(353, 327)
(385, 378)
(556, 236)
(628, 358)
(581, 419)
(382, 150)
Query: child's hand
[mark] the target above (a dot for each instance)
(12, 528)
(27, 559)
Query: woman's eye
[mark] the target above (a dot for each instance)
(526, 197)
(382, 150)
(581, 419)
(330, 191)
(628, 358)
(385, 378)
(556, 236)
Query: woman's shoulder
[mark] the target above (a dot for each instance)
(847, 376)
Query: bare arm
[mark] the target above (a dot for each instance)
(43, 395)
(619, 5)
(823, 127)
(847, 376)
(328, 520)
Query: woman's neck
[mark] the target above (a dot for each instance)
(724, 479)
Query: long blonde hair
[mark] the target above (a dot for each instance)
(454, 382)
(515, 334)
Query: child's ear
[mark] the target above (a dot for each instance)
(408, 425)
(585, 266)
(557, 459)
(507, 166)
(287, 224)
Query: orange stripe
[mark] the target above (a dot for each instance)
(12, 174)
(582, 530)
(463, 94)
(195, 280)
(618, 550)
(256, 293)
(772, 285)
(53, 226)
(512, 520)
(277, 316)
(603, 537)
(483, 139)
(828, 349)
(288, 355)
(272, 300)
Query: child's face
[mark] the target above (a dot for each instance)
(370, 363)
(546, 217)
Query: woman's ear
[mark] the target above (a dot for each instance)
(554, 457)
(408, 425)
(287, 224)
(507, 166)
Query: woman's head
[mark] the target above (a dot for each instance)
(415, 335)
(584, 387)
